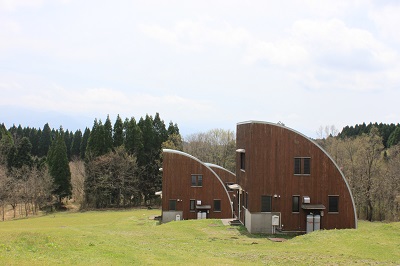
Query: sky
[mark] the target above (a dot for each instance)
(200, 64)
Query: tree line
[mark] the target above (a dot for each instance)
(113, 165)
(369, 156)
(117, 164)
(390, 133)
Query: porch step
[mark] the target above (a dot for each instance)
(235, 222)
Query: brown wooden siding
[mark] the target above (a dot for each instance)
(178, 168)
(270, 151)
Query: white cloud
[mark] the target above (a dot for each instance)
(387, 20)
(284, 53)
(11, 5)
(196, 35)
(93, 102)
(334, 37)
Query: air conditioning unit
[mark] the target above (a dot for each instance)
(198, 202)
(306, 200)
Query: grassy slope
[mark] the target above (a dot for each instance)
(129, 237)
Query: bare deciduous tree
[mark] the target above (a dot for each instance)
(78, 177)
(215, 146)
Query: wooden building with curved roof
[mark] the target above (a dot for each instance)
(192, 189)
(285, 181)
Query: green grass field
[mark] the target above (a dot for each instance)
(130, 237)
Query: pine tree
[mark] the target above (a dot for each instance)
(95, 146)
(68, 137)
(84, 143)
(6, 145)
(59, 167)
(108, 136)
(45, 141)
(118, 132)
(161, 134)
(394, 138)
(23, 156)
(34, 138)
(76, 144)
(149, 158)
(133, 137)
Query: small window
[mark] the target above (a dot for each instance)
(333, 204)
(217, 205)
(266, 202)
(295, 203)
(242, 161)
(306, 163)
(246, 200)
(302, 166)
(192, 205)
(197, 180)
(297, 166)
(172, 205)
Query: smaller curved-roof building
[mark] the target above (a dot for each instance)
(192, 189)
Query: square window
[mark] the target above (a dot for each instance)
(197, 180)
(333, 204)
(217, 205)
(172, 205)
(302, 166)
(295, 203)
(266, 203)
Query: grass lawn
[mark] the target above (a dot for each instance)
(129, 237)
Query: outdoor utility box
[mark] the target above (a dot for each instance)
(203, 215)
(198, 215)
(317, 222)
(178, 217)
(310, 223)
(306, 200)
(275, 220)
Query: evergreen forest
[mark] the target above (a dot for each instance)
(112, 165)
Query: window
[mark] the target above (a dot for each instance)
(295, 203)
(172, 205)
(246, 200)
(333, 204)
(192, 205)
(242, 161)
(297, 166)
(266, 202)
(217, 205)
(306, 163)
(197, 180)
(302, 166)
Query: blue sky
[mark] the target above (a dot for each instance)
(201, 64)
